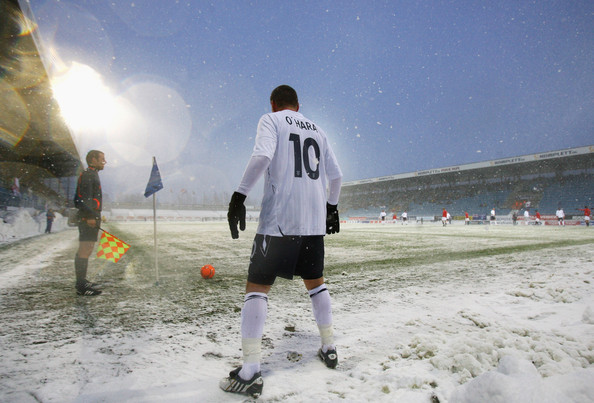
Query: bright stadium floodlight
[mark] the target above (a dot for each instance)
(86, 103)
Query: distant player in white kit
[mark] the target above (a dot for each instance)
(526, 217)
(560, 216)
(300, 205)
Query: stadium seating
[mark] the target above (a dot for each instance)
(545, 193)
(7, 199)
(570, 193)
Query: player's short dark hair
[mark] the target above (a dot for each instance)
(93, 154)
(284, 96)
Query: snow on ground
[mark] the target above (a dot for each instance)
(422, 313)
(22, 223)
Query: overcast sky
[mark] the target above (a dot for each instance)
(398, 86)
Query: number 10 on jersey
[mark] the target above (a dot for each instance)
(302, 156)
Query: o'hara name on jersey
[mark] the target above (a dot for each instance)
(300, 124)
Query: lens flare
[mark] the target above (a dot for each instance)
(85, 101)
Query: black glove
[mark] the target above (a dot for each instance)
(236, 214)
(332, 220)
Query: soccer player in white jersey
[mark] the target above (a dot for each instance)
(300, 205)
(560, 216)
(526, 217)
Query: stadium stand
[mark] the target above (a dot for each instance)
(542, 181)
(6, 198)
(571, 193)
(35, 142)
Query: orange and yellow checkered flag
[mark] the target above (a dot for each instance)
(111, 248)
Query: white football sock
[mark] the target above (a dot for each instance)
(253, 316)
(322, 309)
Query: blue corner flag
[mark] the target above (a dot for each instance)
(154, 184)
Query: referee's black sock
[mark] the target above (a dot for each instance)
(80, 268)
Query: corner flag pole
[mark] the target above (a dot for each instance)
(155, 235)
(154, 185)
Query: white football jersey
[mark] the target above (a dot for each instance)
(301, 163)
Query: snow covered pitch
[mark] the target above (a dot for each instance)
(422, 313)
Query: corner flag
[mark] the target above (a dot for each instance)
(111, 248)
(154, 184)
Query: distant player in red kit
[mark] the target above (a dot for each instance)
(444, 217)
(537, 222)
(587, 215)
(466, 218)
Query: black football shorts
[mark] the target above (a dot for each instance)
(285, 257)
(87, 233)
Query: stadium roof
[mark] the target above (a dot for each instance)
(553, 161)
(35, 142)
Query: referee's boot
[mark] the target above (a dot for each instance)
(87, 289)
